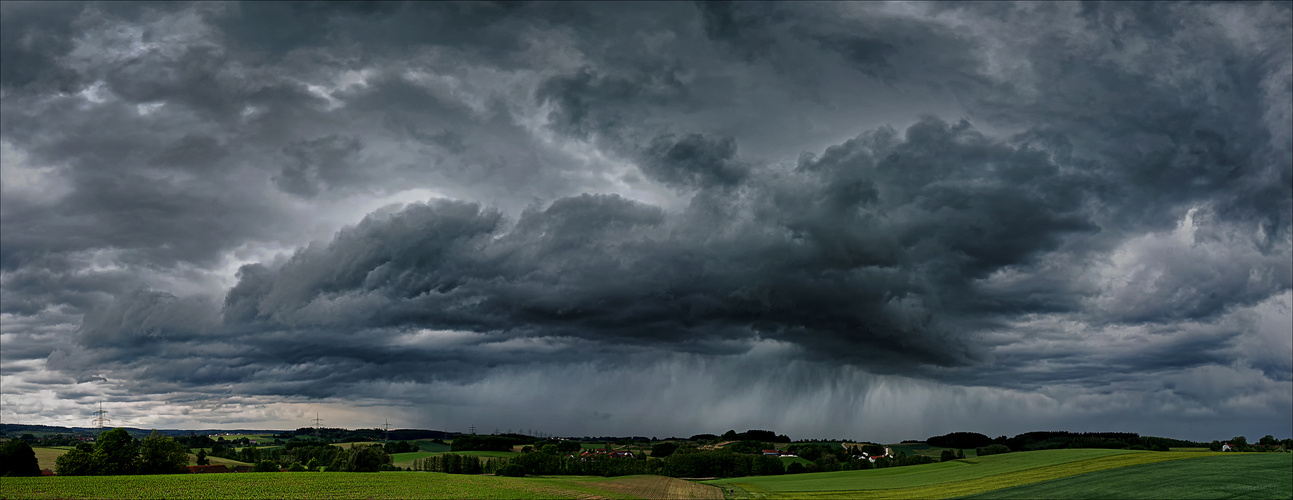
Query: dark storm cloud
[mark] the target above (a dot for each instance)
(692, 160)
(806, 268)
(1080, 199)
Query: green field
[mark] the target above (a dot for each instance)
(946, 479)
(1264, 475)
(786, 461)
(276, 485)
(253, 437)
(432, 446)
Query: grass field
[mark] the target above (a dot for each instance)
(946, 479)
(786, 461)
(46, 456)
(253, 437)
(1264, 475)
(432, 446)
(350, 445)
(403, 460)
(282, 485)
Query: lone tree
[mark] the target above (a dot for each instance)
(162, 455)
(18, 459)
(115, 453)
(202, 458)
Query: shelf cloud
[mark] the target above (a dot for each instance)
(874, 221)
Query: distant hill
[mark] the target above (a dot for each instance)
(15, 430)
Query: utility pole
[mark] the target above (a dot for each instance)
(317, 421)
(472, 429)
(99, 418)
(387, 428)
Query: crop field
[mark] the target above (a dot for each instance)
(286, 485)
(652, 487)
(1260, 475)
(946, 479)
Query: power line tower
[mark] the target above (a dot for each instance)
(387, 428)
(99, 417)
(472, 429)
(317, 421)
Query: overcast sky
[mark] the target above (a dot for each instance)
(865, 220)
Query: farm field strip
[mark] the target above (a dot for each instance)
(1259, 475)
(301, 485)
(658, 487)
(936, 485)
(920, 475)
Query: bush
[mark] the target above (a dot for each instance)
(796, 468)
(511, 470)
(947, 456)
(992, 449)
(296, 467)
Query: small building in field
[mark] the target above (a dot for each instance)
(1226, 447)
(46, 472)
(771, 453)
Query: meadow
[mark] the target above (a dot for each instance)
(1071, 473)
(1261, 475)
(282, 485)
(950, 479)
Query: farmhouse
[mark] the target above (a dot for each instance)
(1226, 447)
(771, 453)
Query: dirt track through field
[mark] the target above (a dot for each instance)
(657, 487)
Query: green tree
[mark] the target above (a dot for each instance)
(550, 449)
(265, 466)
(76, 462)
(364, 459)
(1268, 440)
(202, 458)
(568, 446)
(947, 456)
(296, 467)
(18, 459)
(162, 455)
(1239, 441)
(664, 449)
(115, 453)
(960, 453)
(511, 470)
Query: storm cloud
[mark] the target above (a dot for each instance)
(918, 215)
